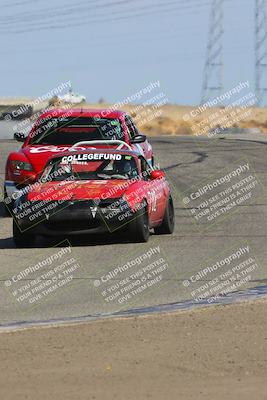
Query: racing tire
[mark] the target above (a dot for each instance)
(5, 210)
(22, 239)
(168, 223)
(139, 227)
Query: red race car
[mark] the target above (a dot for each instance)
(58, 130)
(94, 191)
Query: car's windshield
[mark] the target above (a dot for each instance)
(68, 131)
(91, 166)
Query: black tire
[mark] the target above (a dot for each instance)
(167, 225)
(5, 209)
(139, 227)
(22, 239)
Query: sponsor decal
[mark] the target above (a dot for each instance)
(52, 149)
(93, 211)
(91, 156)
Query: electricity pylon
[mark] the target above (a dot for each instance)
(213, 70)
(260, 52)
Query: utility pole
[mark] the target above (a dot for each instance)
(260, 52)
(213, 70)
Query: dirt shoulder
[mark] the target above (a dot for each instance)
(218, 352)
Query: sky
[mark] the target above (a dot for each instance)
(113, 48)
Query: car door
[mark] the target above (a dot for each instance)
(157, 192)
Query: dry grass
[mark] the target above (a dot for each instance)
(170, 119)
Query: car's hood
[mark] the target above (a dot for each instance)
(79, 190)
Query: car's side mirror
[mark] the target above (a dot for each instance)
(19, 137)
(138, 139)
(158, 174)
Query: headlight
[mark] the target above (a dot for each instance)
(21, 165)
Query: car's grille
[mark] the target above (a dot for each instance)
(72, 225)
(81, 204)
(109, 202)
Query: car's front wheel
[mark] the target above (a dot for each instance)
(5, 209)
(139, 226)
(167, 225)
(22, 239)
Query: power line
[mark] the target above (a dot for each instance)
(18, 3)
(82, 11)
(47, 12)
(95, 21)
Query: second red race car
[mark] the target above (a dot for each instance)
(59, 130)
(94, 191)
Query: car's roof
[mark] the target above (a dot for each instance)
(78, 112)
(98, 150)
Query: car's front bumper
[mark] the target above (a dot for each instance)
(72, 218)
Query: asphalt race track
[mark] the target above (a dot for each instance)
(187, 161)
